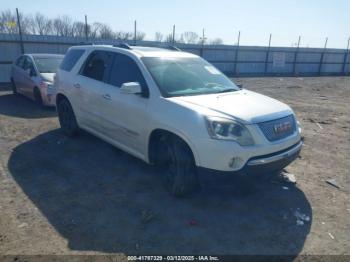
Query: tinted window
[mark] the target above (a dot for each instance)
(97, 64)
(70, 59)
(47, 64)
(20, 61)
(125, 70)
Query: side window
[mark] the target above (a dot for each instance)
(28, 64)
(96, 65)
(125, 70)
(71, 58)
(20, 62)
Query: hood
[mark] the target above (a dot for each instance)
(48, 77)
(245, 106)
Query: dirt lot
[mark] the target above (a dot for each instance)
(83, 196)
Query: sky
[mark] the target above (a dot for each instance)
(313, 20)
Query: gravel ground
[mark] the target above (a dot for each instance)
(82, 196)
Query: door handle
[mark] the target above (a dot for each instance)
(77, 85)
(107, 97)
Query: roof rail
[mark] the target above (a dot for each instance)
(174, 48)
(123, 45)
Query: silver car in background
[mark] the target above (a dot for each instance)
(32, 75)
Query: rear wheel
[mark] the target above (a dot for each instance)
(14, 88)
(67, 118)
(37, 96)
(177, 166)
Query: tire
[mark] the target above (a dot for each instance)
(67, 118)
(14, 88)
(37, 96)
(177, 166)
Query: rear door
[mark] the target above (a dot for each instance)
(29, 73)
(18, 72)
(87, 86)
(124, 115)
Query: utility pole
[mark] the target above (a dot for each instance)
(20, 31)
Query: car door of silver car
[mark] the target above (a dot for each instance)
(29, 74)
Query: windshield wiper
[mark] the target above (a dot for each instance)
(225, 91)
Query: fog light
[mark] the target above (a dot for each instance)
(235, 162)
(232, 162)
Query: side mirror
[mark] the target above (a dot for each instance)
(131, 88)
(240, 86)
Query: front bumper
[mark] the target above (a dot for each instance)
(272, 162)
(48, 96)
(264, 163)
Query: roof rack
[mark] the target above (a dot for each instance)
(123, 45)
(174, 48)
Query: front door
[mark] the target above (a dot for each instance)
(124, 115)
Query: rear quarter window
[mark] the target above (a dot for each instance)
(71, 58)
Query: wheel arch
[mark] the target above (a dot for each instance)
(59, 97)
(155, 135)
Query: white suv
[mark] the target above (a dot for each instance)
(175, 110)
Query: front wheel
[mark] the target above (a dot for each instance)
(177, 166)
(67, 118)
(37, 96)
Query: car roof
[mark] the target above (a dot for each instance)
(45, 55)
(140, 51)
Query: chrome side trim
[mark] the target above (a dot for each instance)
(267, 160)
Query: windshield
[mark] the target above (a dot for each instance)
(187, 76)
(48, 64)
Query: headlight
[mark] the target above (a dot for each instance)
(227, 129)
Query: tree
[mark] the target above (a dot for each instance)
(124, 36)
(106, 32)
(216, 41)
(41, 24)
(140, 35)
(190, 37)
(158, 37)
(78, 29)
(8, 22)
(62, 26)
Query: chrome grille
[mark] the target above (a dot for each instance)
(268, 128)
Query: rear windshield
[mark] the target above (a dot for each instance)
(48, 64)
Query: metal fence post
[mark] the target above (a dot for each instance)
(20, 32)
(86, 29)
(135, 25)
(173, 39)
(322, 57)
(346, 57)
(236, 54)
(296, 57)
(267, 55)
(203, 40)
